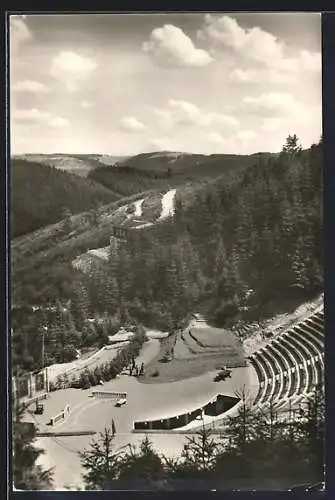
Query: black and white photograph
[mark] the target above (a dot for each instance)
(166, 242)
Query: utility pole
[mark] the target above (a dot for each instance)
(44, 329)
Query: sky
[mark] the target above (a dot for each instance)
(124, 84)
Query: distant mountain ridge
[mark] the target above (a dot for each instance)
(44, 185)
(79, 164)
(163, 170)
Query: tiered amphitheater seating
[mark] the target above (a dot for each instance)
(290, 366)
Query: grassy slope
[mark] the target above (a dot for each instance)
(191, 358)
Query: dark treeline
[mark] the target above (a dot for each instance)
(149, 171)
(42, 195)
(243, 249)
(127, 181)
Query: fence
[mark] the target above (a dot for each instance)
(109, 395)
(23, 386)
(65, 433)
(219, 406)
(61, 416)
(35, 399)
(40, 381)
(29, 384)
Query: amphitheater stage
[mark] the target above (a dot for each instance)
(144, 401)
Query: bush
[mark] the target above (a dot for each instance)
(108, 371)
(69, 353)
(84, 381)
(225, 312)
(75, 383)
(52, 387)
(92, 379)
(98, 373)
(59, 384)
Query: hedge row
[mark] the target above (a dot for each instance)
(106, 371)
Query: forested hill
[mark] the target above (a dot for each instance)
(160, 170)
(247, 248)
(42, 195)
(238, 248)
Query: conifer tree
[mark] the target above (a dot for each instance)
(292, 145)
(100, 461)
(141, 468)
(26, 474)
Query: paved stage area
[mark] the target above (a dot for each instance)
(144, 401)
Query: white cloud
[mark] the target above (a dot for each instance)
(309, 117)
(256, 45)
(29, 86)
(164, 116)
(246, 135)
(170, 46)
(208, 119)
(85, 104)
(273, 124)
(131, 124)
(261, 76)
(35, 116)
(184, 112)
(273, 103)
(310, 61)
(58, 122)
(240, 142)
(71, 68)
(160, 143)
(215, 138)
(30, 115)
(19, 32)
(253, 43)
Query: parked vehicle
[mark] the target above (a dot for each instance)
(121, 402)
(39, 409)
(223, 374)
